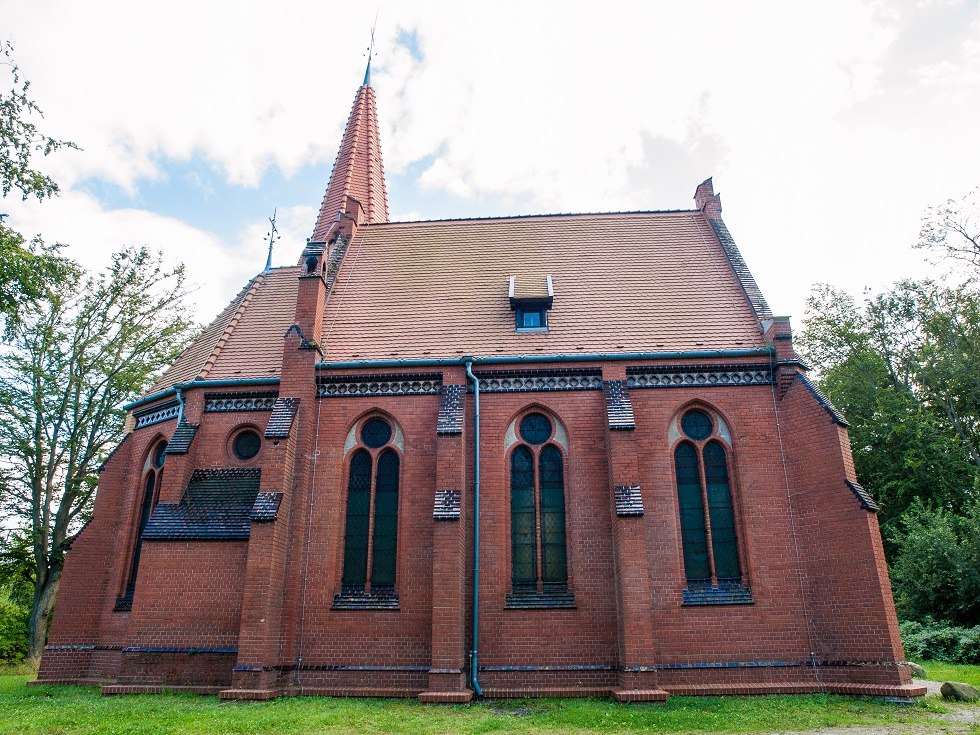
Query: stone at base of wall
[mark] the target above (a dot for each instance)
(455, 697)
(640, 695)
(116, 689)
(804, 687)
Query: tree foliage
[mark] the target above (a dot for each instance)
(20, 139)
(76, 356)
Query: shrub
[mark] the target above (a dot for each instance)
(941, 642)
(13, 628)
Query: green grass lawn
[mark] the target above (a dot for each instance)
(71, 710)
(941, 671)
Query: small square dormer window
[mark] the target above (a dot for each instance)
(531, 310)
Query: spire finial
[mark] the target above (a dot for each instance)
(273, 235)
(370, 53)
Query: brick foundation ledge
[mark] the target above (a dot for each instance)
(640, 695)
(86, 682)
(522, 692)
(454, 697)
(115, 689)
(904, 691)
(249, 695)
(321, 691)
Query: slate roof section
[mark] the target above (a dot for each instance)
(835, 415)
(624, 282)
(216, 505)
(358, 172)
(281, 421)
(451, 402)
(864, 498)
(619, 407)
(180, 442)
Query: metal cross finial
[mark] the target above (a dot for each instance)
(370, 52)
(273, 235)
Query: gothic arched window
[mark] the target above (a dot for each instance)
(371, 526)
(150, 485)
(704, 495)
(537, 510)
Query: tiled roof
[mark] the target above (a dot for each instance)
(217, 504)
(644, 281)
(244, 340)
(358, 172)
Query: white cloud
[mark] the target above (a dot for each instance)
(828, 130)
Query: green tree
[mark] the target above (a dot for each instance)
(26, 269)
(74, 358)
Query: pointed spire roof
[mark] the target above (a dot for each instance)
(358, 172)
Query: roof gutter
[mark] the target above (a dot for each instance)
(176, 389)
(524, 359)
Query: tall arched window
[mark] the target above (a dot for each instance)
(704, 496)
(371, 527)
(537, 510)
(150, 484)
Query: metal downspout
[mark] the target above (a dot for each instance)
(474, 651)
(180, 402)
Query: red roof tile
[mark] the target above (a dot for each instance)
(622, 283)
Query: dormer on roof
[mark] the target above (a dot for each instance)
(531, 306)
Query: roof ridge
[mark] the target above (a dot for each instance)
(251, 288)
(542, 215)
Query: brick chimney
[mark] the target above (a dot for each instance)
(707, 201)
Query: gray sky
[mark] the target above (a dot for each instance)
(828, 128)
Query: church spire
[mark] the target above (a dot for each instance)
(357, 184)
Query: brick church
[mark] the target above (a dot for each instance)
(534, 455)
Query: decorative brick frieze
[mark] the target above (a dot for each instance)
(864, 498)
(629, 502)
(157, 414)
(451, 402)
(698, 376)
(447, 505)
(399, 384)
(281, 420)
(232, 402)
(835, 416)
(619, 407)
(266, 506)
(184, 434)
(521, 381)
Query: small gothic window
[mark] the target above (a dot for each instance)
(371, 526)
(246, 445)
(160, 455)
(708, 533)
(150, 490)
(537, 510)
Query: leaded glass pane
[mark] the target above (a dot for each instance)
(160, 455)
(385, 521)
(693, 531)
(522, 520)
(720, 512)
(149, 490)
(375, 433)
(535, 428)
(697, 425)
(246, 445)
(356, 527)
(554, 572)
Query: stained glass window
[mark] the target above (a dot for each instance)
(246, 445)
(535, 428)
(523, 520)
(721, 513)
(693, 528)
(697, 425)
(554, 574)
(385, 522)
(358, 516)
(375, 433)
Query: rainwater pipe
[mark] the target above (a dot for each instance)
(475, 650)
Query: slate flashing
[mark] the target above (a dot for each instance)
(451, 403)
(864, 498)
(447, 505)
(835, 415)
(751, 289)
(216, 505)
(281, 421)
(629, 502)
(266, 507)
(360, 600)
(619, 407)
(180, 442)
